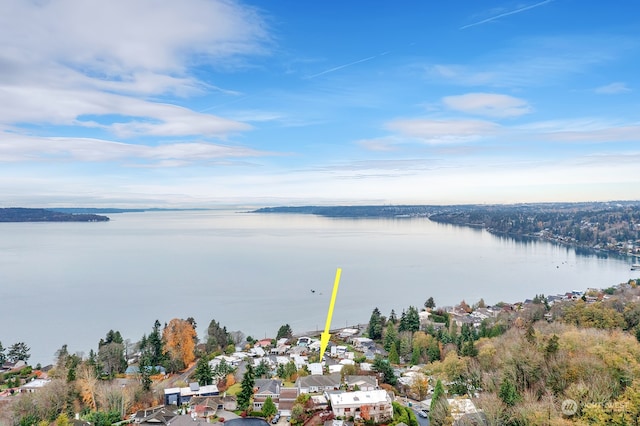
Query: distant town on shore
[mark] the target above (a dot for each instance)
(598, 227)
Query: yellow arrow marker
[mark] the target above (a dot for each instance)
(324, 338)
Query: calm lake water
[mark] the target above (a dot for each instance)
(70, 283)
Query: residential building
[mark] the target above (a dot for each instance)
(180, 396)
(376, 403)
(318, 384)
(266, 388)
(363, 383)
(288, 397)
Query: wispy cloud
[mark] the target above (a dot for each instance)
(19, 148)
(443, 131)
(537, 61)
(613, 89)
(339, 67)
(488, 104)
(384, 144)
(502, 15)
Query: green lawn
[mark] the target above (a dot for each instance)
(234, 389)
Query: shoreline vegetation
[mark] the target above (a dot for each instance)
(19, 214)
(599, 228)
(513, 364)
(71, 214)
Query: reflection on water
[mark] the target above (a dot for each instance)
(73, 282)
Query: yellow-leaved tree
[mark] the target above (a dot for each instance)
(179, 341)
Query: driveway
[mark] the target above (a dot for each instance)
(227, 415)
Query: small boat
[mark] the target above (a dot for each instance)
(635, 267)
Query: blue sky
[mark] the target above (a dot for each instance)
(202, 102)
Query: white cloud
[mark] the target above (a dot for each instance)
(613, 89)
(609, 134)
(19, 148)
(65, 60)
(384, 144)
(537, 61)
(444, 131)
(488, 104)
(119, 36)
(135, 116)
(584, 130)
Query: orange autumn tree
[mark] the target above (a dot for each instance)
(364, 412)
(179, 338)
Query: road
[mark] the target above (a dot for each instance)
(422, 421)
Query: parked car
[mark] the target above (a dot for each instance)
(275, 419)
(423, 413)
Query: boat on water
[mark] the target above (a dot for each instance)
(635, 267)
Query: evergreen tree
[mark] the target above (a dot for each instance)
(433, 351)
(145, 367)
(18, 352)
(393, 355)
(392, 317)
(439, 409)
(246, 388)
(269, 409)
(430, 303)
(262, 370)
(155, 345)
(508, 392)
(415, 355)
(469, 349)
(217, 337)
(553, 346)
(404, 345)
(290, 369)
(530, 334)
(203, 373)
(111, 354)
(384, 367)
(410, 320)
(375, 325)
(3, 357)
(284, 331)
(390, 336)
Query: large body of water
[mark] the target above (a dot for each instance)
(70, 283)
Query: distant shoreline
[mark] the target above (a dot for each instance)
(21, 214)
(72, 214)
(592, 227)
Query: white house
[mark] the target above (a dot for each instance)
(315, 368)
(34, 385)
(351, 404)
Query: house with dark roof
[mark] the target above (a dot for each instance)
(363, 383)
(180, 396)
(206, 406)
(154, 416)
(315, 384)
(288, 397)
(266, 388)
